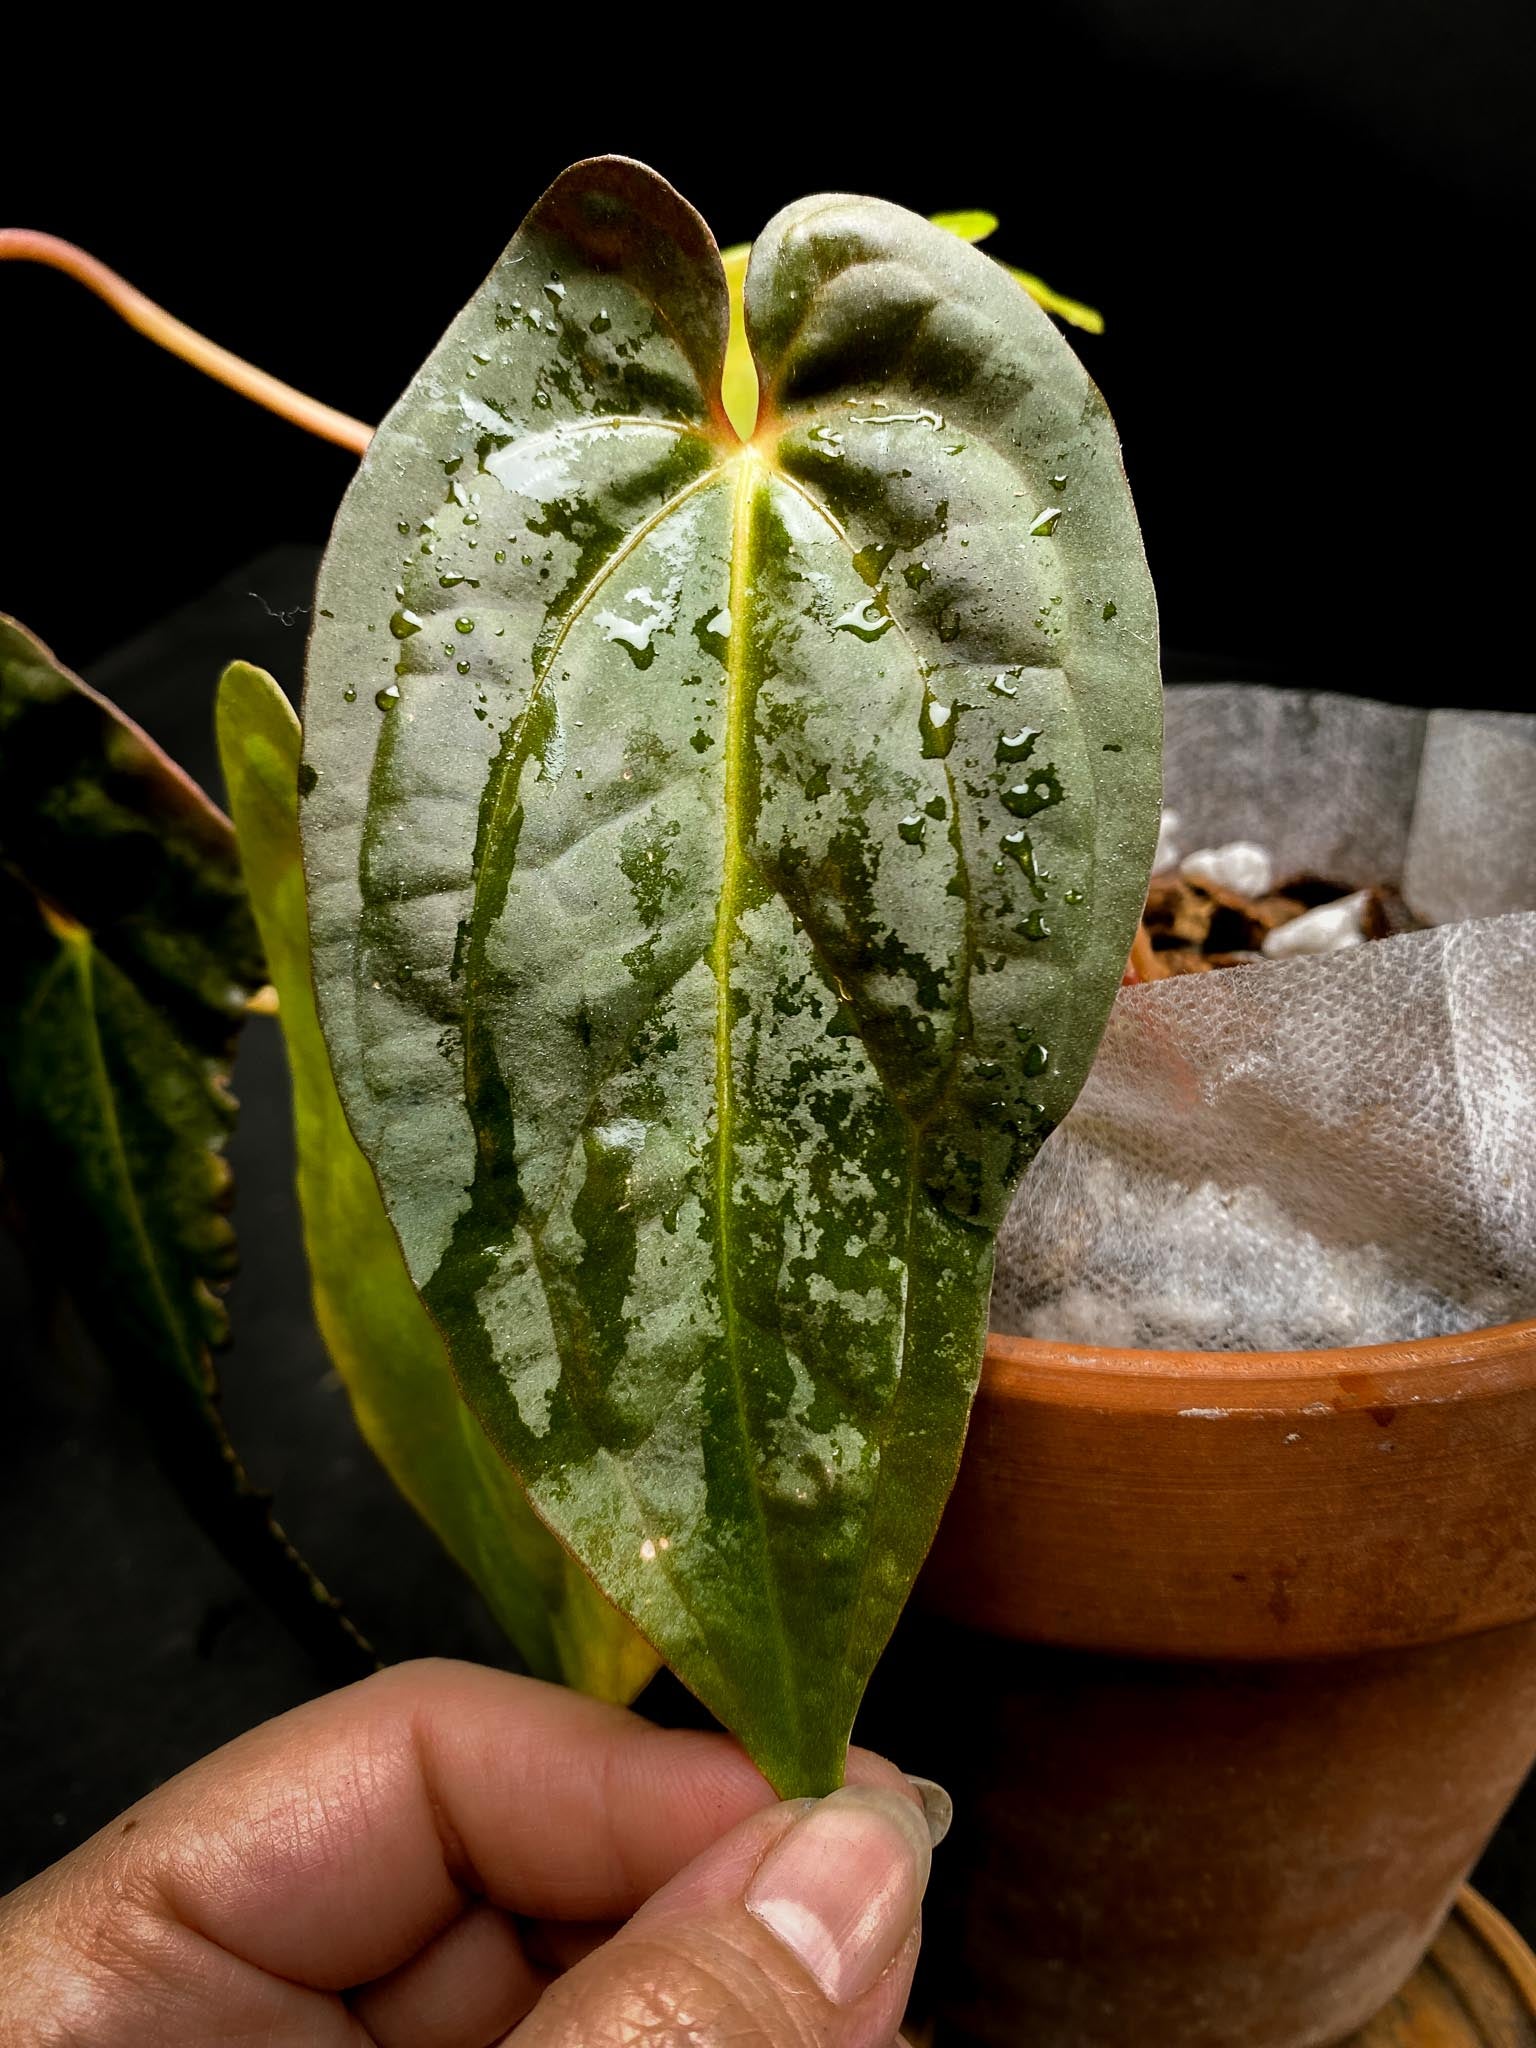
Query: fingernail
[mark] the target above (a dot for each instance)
(938, 1807)
(842, 1889)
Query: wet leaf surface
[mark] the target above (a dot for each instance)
(381, 1339)
(722, 859)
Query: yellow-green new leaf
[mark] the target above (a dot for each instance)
(382, 1340)
(971, 225)
(1072, 311)
(738, 380)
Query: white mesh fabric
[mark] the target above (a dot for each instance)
(1318, 1151)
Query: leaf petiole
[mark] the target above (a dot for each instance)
(31, 245)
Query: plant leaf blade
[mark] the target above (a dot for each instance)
(682, 982)
(130, 959)
(127, 961)
(382, 1341)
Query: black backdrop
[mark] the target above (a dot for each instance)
(1305, 227)
(1304, 224)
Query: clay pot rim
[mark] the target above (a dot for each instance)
(1468, 1365)
(1237, 1506)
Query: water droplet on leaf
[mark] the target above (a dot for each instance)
(873, 561)
(866, 620)
(936, 723)
(1037, 794)
(1017, 746)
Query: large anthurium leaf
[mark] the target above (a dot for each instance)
(721, 863)
(384, 1344)
(127, 960)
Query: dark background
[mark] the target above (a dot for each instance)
(1307, 225)
(1307, 228)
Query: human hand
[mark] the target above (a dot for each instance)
(449, 1857)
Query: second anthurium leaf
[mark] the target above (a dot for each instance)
(721, 861)
(381, 1340)
(128, 962)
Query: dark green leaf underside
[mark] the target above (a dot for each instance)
(721, 864)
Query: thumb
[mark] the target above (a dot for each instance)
(799, 1929)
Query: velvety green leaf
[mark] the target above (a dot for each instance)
(127, 958)
(382, 1340)
(721, 863)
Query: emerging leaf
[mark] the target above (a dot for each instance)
(127, 959)
(722, 859)
(1072, 311)
(971, 224)
(738, 378)
(382, 1340)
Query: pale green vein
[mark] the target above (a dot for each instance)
(738, 739)
(506, 771)
(968, 960)
(131, 1208)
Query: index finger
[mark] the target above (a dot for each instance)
(328, 1846)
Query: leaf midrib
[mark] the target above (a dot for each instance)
(751, 465)
(735, 859)
(84, 963)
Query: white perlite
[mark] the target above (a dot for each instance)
(1243, 867)
(1320, 1150)
(1331, 928)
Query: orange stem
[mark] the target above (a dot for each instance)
(29, 245)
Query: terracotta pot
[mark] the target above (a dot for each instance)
(1230, 1661)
